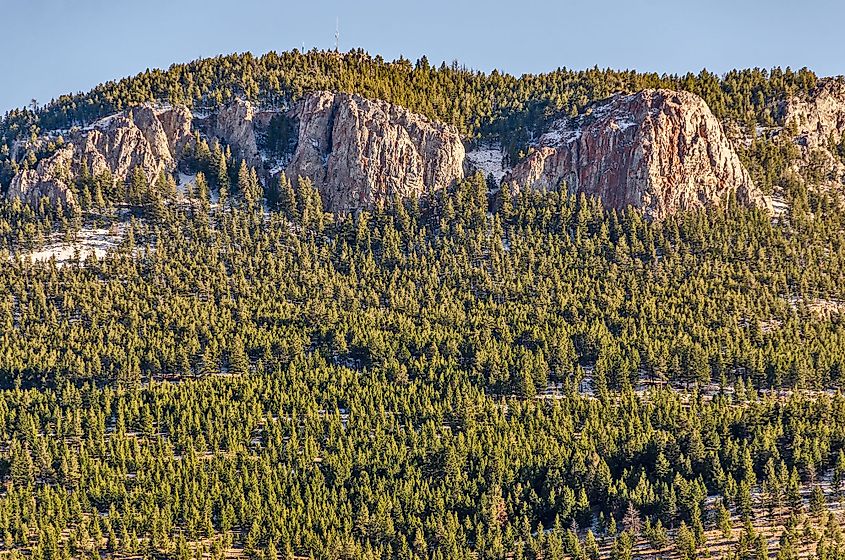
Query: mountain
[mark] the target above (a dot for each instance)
(319, 305)
(412, 129)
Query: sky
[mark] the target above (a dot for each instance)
(51, 47)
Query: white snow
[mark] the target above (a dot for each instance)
(201, 114)
(96, 241)
(489, 159)
(568, 130)
(102, 123)
(623, 124)
(562, 131)
(779, 205)
(183, 181)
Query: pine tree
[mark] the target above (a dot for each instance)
(243, 180)
(817, 500)
(287, 199)
(591, 547)
(238, 360)
(723, 520)
(22, 466)
(222, 176)
(685, 543)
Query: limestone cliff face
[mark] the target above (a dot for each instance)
(50, 179)
(360, 152)
(152, 139)
(659, 150)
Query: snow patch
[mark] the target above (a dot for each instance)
(89, 241)
(779, 205)
(102, 123)
(184, 181)
(489, 159)
(561, 132)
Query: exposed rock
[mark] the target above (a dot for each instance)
(819, 123)
(658, 150)
(489, 159)
(125, 141)
(819, 115)
(176, 122)
(243, 126)
(146, 137)
(49, 179)
(234, 125)
(361, 152)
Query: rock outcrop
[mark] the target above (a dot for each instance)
(140, 137)
(239, 124)
(146, 137)
(50, 179)
(819, 123)
(659, 150)
(153, 139)
(360, 152)
(234, 125)
(820, 115)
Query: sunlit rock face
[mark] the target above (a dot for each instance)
(658, 150)
(360, 152)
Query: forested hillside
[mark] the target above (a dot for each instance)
(480, 105)
(481, 372)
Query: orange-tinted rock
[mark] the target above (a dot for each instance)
(658, 150)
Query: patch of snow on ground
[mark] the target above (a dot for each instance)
(779, 205)
(564, 131)
(488, 159)
(623, 124)
(183, 181)
(102, 123)
(96, 241)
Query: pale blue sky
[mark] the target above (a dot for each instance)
(50, 47)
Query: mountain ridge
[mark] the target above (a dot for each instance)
(510, 113)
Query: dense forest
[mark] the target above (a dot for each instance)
(479, 373)
(437, 378)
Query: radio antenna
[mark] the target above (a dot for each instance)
(337, 34)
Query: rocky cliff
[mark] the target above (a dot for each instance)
(50, 180)
(145, 137)
(141, 136)
(662, 151)
(818, 121)
(658, 150)
(360, 152)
